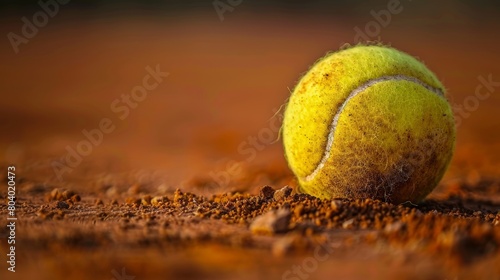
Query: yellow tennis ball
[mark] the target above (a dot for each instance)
(369, 122)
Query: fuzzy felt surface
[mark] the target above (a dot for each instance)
(369, 121)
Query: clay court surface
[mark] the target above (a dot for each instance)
(171, 188)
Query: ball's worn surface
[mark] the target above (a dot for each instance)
(369, 122)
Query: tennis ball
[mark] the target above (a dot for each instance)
(369, 121)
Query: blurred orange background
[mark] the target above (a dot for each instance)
(227, 80)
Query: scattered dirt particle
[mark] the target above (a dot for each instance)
(61, 205)
(349, 224)
(274, 221)
(133, 201)
(283, 193)
(75, 198)
(146, 200)
(67, 194)
(157, 201)
(267, 192)
(336, 205)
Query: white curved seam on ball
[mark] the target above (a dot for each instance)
(353, 93)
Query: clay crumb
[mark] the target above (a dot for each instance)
(282, 193)
(272, 222)
(266, 192)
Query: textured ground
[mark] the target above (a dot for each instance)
(64, 234)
